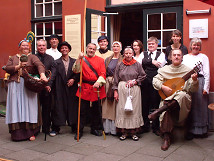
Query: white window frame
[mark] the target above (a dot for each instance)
(161, 48)
(43, 7)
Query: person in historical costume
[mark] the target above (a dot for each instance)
(175, 108)
(44, 95)
(175, 43)
(93, 79)
(103, 51)
(22, 113)
(152, 60)
(53, 51)
(137, 46)
(128, 73)
(65, 83)
(199, 111)
(108, 103)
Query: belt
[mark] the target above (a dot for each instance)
(89, 82)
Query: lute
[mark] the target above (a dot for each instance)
(178, 83)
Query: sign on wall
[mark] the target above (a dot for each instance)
(198, 28)
(73, 33)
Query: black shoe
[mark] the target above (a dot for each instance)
(80, 135)
(189, 136)
(96, 132)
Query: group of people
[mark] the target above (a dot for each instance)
(110, 79)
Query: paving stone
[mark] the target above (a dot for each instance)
(98, 156)
(120, 148)
(85, 149)
(25, 155)
(141, 157)
(48, 147)
(63, 156)
(5, 151)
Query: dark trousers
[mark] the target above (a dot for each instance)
(93, 112)
(150, 101)
(45, 101)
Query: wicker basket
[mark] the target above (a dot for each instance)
(35, 85)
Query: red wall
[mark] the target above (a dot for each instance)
(71, 7)
(207, 44)
(15, 23)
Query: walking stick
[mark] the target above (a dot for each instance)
(80, 84)
(100, 113)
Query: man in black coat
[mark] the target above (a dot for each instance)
(44, 95)
(64, 81)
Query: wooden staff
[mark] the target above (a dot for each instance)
(80, 84)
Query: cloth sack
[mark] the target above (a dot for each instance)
(110, 92)
(128, 105)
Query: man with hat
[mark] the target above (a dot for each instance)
(54, 41)
(64, 81)
(103, 51)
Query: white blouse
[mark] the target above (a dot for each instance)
(191, 60)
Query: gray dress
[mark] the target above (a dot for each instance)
(123, 73)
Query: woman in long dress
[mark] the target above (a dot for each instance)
(109, 104)
(128, 73)
(199, 109)
(22, 113)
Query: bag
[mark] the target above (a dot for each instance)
(128, 105)
(110, 92)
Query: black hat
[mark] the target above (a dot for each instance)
(54, 36)
(102, 38)
(64, 43)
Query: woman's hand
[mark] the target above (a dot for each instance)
(166, 90)
(43, 77)
(131, 83)
(70, 82)
(48, 89)
(204, 92)
(194, 76)
(81, 55)
(116, 96)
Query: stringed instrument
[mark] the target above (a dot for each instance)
(178, 83)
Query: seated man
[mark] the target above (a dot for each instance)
(176, 106)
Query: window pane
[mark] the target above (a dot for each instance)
(94, 36)
(39, 1)
(94, 22)
(39, 10)
(154, 22)
(58, 27)
(58, 8)
(48, 9)
(166, 38)
(157, 35)
(103, 21)
(169, 21)
(48, 28)
(39, 29)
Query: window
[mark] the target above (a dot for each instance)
(98, 27)
(46, 19)
(161, 25)
(43, 30)
(46, 8)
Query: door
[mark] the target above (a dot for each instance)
(97, 24)
(160, 23)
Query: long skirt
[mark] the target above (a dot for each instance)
(109, 111)
(199, 111)
(132, 119)
(22, 111)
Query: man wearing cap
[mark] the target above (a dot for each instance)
(44, 96)
(103, 51)
(54, 41)
(93, 78)
(64, 81)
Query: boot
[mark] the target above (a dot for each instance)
(166, 142)
(165, 107)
